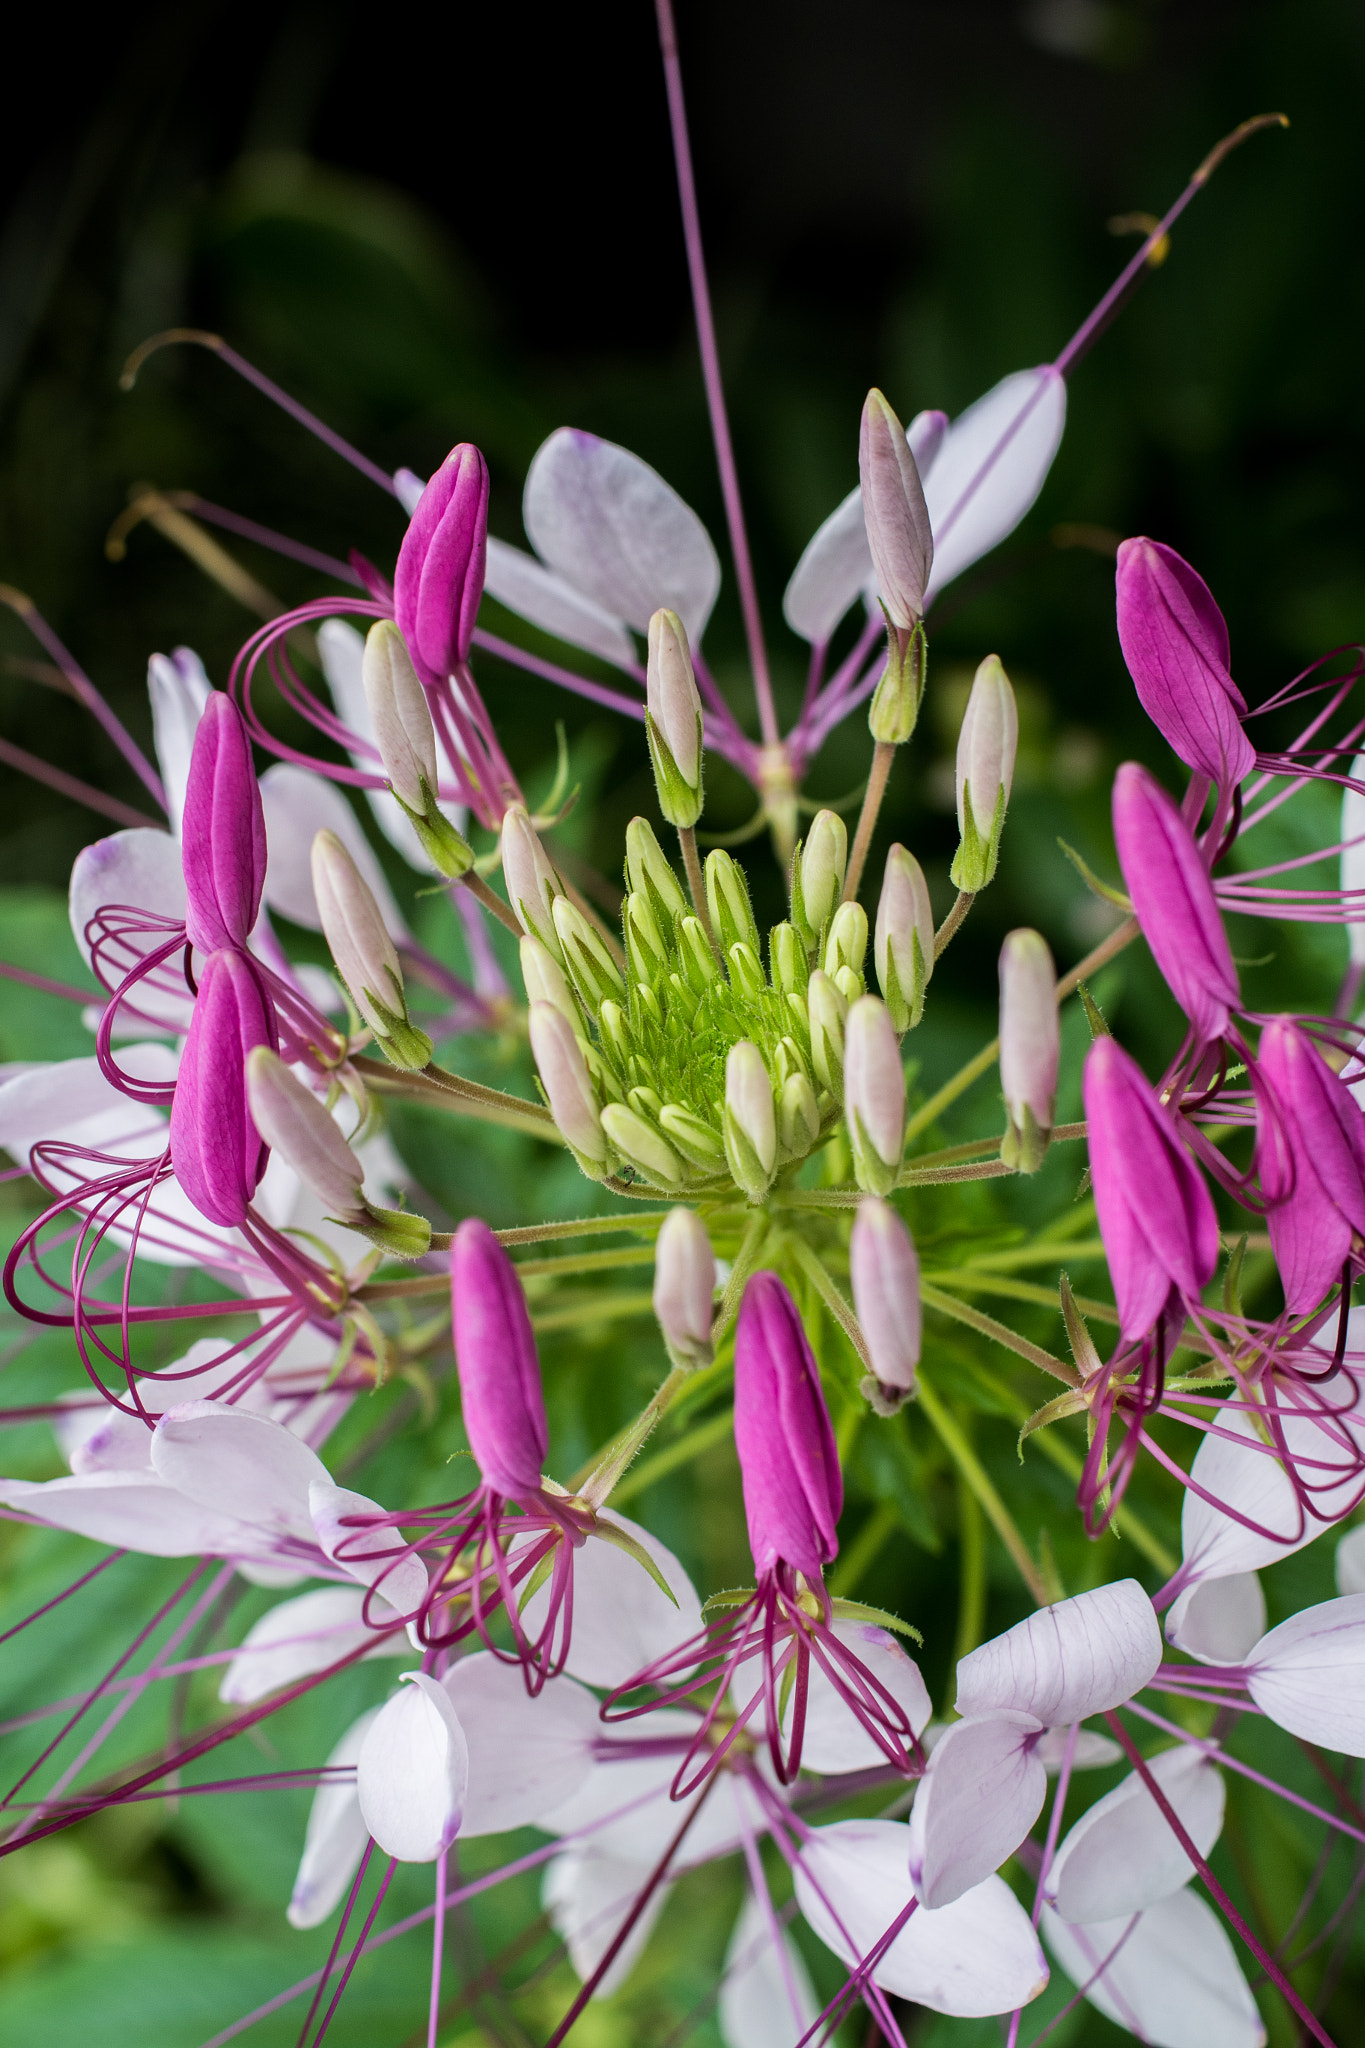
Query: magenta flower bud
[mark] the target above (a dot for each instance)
(1030, 1044)
(1155, 1213)
(1312, 1228)
(223, 832)
(1174, 900)
(884, 1267)
(1175, 642)
(504, 1410)
(439, 579)
(216, 1149)
(793, 1490)
(894, 513)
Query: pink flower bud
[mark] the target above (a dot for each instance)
(1030, 1042)
(793, 1490)
(1175, 642)
(1174, 900)
(874, 1095)
(504, 1410)
(986, 747)
(884, 1267)
(532, 884)
(904, 944)
(439, 579)
(216, 1149)
(1311, 1229)
(295, 1124)
(685, 1286)
(1155, 1214)
(567, 1083)
(894, 513)
(675, 709)
(223, 832)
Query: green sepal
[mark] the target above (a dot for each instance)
(400, 1232)
(621, 1539)
(743, 1161)
(400, 1041)
(871, 1171)
(449, 853)
(1025, 1148)
(974, 862)
(894, 711)
(679, 802)
(857, 1610)
(734, 1596)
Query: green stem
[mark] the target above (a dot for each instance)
(586, 1262)
(1021, 1290)
(863, 1552)
(746, 1259)
(713, 1431)
(596, 1308)
(1000, 1333)
(950, 1435)
(696, 886)
(588, 1226)
(883, 754)
(605, 1473)
(943, 937)
(464, 1098)
(491, 902)
(971, 1610)
(829, 1293)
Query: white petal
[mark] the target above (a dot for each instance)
(525, 1755)
(298, 805)
(990, 468)
(587, 1895)
(336, 1835)
(623, 1806)
(305, 1635)
(1309, 1674)
(833, 569)
(982, 1792)
(179, 690)
(1236, 1468)
(341, 651)
(534, 592)
(73, 1101)
(611, 526)
(621, 1619)
(1122, 1855)
(239, 1464)
(130, 1512)
(834, 1739)
(1090, 1752)
(1218, 1620)
(766, 1996)
(139, 868)
(1069, 1660)
(1350, 1562)
(977, 1956)
(1175, 1981)
(375, 1557)
(413, 1772)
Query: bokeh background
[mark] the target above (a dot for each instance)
(462, 224)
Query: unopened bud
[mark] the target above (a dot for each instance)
(693, 1137)
(884, 1268)
(595, 974)
(798, 1117)
(568, 1086)
(827, 1008)
(818, 874)
(364, 953)
(617, 1036)
(727, 899)
(846, 945)
(673, 721)
(874, 1095)
(788, 962)
(698, 960)
(986, 747)
(746, 972)
(439, 577)
(532, 884)
(406, 740)
(651, 875)
(1029, 1047)
(685, 1287)
(641, 1146)
(216, 1149)
(894, 513)
(545, 980)
(223, 849)
(904, 946)
(644, 941)
(894, 711)
(750, 1120)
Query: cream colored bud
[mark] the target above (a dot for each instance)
(700, 1146)
(846, 945)
(641, 1146)
(986, 748)
(818, 875)
(545, 980)
(673, 721)
(727, 899)
(788, 963)
(904, 944)
(798, 1116)
(595, 974)
(650, 873)
(874, 1095)
(827, 1008)
(403, 731)
(685, 1287)
(750, 1120)
(532, 884)
(365, 955)
(1030, 1045)
(645, 948)
(300, 1129)
(884, 1269)
(567, 1083)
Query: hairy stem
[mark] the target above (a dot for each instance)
(696, 886)
(883, 754)
(943, 937)
(987, 1326)
(465, 1098)
(491, 901)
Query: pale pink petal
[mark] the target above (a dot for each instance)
(766, 1996)
(610, 525)
(239, 1464)
(139, 868)
(374, 1556)
(622, 1620)
(305, 1635)
(975, 1957)
(549, 601)
(71, 1100)
(982, 1792)
(834, 1739)
(587, 1895)
(413, 1772)
(1122, 1854)
(1309, 1674)
(131, 1512)
(1218, 1620)
(336, 1835)
(179, 690)
(526, 1755)
(1175, 1981)
(990, 468)
(298, 805)
(1089, 1752)
(1350, 1562)
(1068, 1661)
(1237, 1468)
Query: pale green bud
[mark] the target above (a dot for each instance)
(1029, 1047)
(532, 884)
(365, 955)
(874, 1095)
(644, 941)
(641, 1146)
(595, 974)
(698, 961)
(727, 899)
(682, 999)
(568, 1086)
(846, 945)
(645, 1102)
(827, 1007)
(617, 1035)
(788, 962)
(798, 1117)
(673, 721)
(818, 871)
(986, 747)
(894, 710)
(904, 945)
(651, 875)
(798, 1021)
(685, 1287)
(700, 1145)
(789, 1059)
(750, 1121)
(850, 984)
(545, 980)
(604, 1080)
(746, 971)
